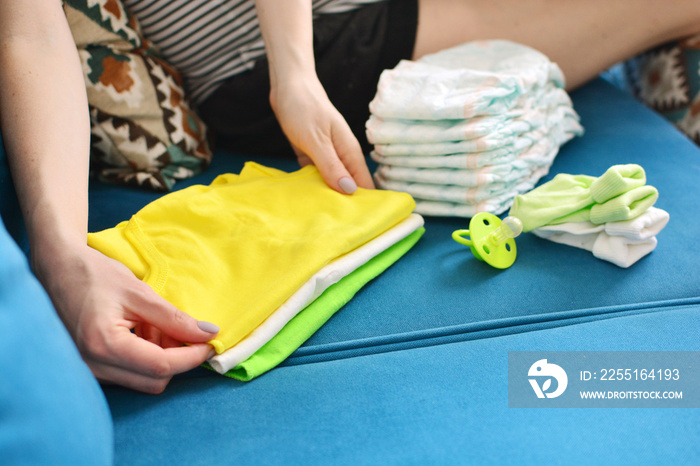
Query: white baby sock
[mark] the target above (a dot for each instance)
(622, 243)
(647, 225)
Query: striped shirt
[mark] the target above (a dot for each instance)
(209, 41)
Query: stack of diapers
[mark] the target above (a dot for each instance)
(267, 256)
(466, 129)
(612, 216)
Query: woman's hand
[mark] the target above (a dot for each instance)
(314, 127)
(101, 301)
(319, 134)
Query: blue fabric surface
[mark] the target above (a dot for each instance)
(52, 410)
(445, 404)
(414, 369)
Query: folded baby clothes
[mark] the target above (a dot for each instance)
(311, 290)
(620, 194)
(311, 318)
(473, 107)
(233, 252)
(622, 243)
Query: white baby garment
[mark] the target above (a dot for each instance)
(622, 243)
(311, 290)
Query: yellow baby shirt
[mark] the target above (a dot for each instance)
(232, 252)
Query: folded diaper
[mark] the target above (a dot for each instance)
(471, 160)
(418, 91)
(392, 131)
(311, 290)
(623, 243)
(620, 194)
(542, 147)
(463, 194)
(530, 116)
(431, 149)
(527, 66)
(477, 78)
(461, 201)
(502, 174)
(490, 188)
(565, 128)
(451, 209)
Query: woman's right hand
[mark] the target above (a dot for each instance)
(316, 130)
(126, 333)
(318, 133)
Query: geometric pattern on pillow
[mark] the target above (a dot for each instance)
(667, 79)
(143, 130)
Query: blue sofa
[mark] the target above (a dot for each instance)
(414, 370)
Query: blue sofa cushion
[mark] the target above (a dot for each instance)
(52, 411)
(443, 404)
(414, 368)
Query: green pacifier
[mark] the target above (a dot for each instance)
(490, 239)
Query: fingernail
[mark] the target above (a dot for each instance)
(208, 326)
(212, 353)
(347, 184)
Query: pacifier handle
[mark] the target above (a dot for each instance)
(458, 235)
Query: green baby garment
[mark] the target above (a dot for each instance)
(308, 321)
(619, 194)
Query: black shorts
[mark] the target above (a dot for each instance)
(351, 51)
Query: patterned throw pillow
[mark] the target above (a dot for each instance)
(667, 79)
(144, 131)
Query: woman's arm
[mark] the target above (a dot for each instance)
(316, 130)
(43, 112)
(45, 125)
